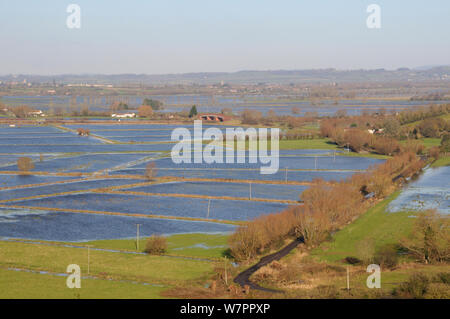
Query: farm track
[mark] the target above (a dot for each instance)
(243, 278)
(100, 138)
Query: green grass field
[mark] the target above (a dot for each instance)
(427, 141)
(376, 224)
(443, 161)
(190, 245)
(18, 285)
(318, 143)
(112, 271)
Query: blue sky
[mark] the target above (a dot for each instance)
(177, 36)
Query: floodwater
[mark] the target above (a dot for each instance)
(430, 191)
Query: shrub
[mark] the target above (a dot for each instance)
(156, 245)
(145, 111)
(251, 117)
(416, 286)
(434, 152)
(445, 143)
(352, 260)
(431, 127)
(154, 104)
(430, 238)
(438, 291)
(25, 164)
(386, 256)
(413, 146)
(295, 110)
(442, 277)
(21, 111)
(150, 170)
(83, 132)
(193, 111)
(391, 127)
(366, 250)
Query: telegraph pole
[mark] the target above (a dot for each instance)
(89, 258)
(285, 175)
(250, 196)
(209, 205)
(137, 236)
(226, 275)
(348, 279)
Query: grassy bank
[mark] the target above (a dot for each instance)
(376, 224)
(111, 274)
(191, 245)
(118, 266)
(18, 285)
(443, 161)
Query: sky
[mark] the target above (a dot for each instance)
(180, 36)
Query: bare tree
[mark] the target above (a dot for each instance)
(25, 164)
(430, 238)
(150, 170)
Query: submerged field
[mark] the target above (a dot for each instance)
(92, 191)
(94, 201)
(91, 182)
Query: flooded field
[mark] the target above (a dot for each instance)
(430, 191)
(214, 104)
(94, 188)
(269, 191)
(64, 226)
(245, 174)
(292, 162)
(157, 205)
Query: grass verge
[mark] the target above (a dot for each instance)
(377, 224)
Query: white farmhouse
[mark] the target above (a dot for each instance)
(125, 115)
(36, 113)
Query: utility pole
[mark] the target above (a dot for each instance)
(250, 196)
(89, 258)
(226, 275)
(209, 206)
(285, 175)
(348, 279)
(315, 162)
(137, 236)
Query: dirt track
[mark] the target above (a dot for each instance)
(244, 277)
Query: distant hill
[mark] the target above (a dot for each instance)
(421, 74)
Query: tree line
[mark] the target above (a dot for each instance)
(327, 206)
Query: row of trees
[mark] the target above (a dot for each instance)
(353, 132)
(360, 140)
(326, 207)
(423, 113)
